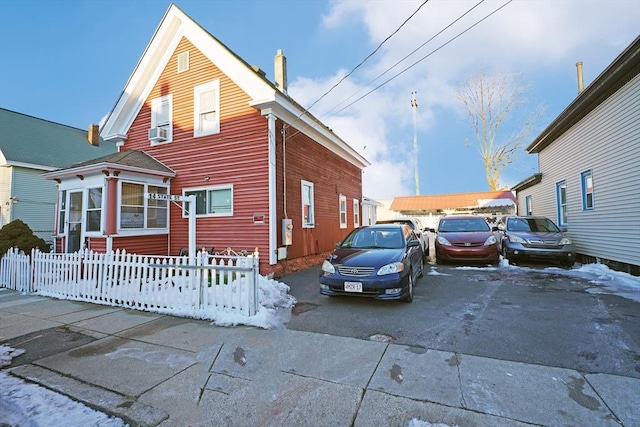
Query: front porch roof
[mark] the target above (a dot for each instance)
(124, 161)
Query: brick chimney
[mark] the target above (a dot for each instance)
(280, 64)
(94, 135)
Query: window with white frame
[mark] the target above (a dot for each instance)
(62, 212)
(561, 202)
(308, 219)
(343, 211)
(140, 213)
(206, 120)
(161, 118)
(356, 213)
(183, 62)
(94, 209)
(528, 206)
(587, 190)
(212, 201)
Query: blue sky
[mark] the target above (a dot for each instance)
(68, 61)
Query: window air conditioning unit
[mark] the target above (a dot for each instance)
(157, 134)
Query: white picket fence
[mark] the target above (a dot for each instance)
(15, 271)
(221, 283)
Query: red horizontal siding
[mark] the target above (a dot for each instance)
(331, 176)
(238, 155)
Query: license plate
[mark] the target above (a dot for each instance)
(352, 287)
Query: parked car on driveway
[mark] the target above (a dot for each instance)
(465, 238)
(417, 228)
(379, 261)
(534, 238)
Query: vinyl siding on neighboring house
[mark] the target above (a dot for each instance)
(37, 201)
(607, 143)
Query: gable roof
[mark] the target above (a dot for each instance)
(453, 201)
(624, 68)
(128, 160)
(264, 95)
(36, 143)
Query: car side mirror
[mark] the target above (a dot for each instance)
(338, 244)
(494, 228)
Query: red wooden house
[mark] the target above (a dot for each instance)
(195, 119)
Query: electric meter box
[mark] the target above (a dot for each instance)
(287, 232)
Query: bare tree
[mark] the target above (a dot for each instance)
(489, 100)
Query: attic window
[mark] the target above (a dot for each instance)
(183, 62)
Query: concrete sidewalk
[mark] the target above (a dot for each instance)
(153, 370)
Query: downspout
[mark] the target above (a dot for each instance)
(273, 212)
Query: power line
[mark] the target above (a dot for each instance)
(423, 58)
(328, 113)
(365, 59)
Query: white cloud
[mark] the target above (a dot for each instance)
(533, 37)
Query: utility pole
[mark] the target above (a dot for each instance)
(414, 106)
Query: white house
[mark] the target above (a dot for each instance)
(589, 167)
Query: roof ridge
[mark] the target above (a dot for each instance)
(42, 120)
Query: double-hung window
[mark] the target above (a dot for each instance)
(528, 205)
(212, 201)
(561, 202)
(139, 213)
(343, 211)
(587, 190)
(62, 212)
(356, 213)
(94, 209)
(161, 119)
(308, 219)
(206, 120)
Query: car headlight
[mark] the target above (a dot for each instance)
(565, 241)
(395, 267)
(443, 241)
(327, 267)
(490, 241)
(516, 239)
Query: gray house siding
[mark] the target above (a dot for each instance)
(607, 143)
(37, 201)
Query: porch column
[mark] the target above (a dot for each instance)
(112, 205)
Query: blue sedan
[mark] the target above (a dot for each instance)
(379, 261)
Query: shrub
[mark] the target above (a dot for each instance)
(18, 234)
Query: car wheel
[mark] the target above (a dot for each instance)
(566, 263)
(409, 296)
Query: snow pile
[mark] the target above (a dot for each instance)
(275, 305)
(607, 281)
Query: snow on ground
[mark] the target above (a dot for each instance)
(27, 404)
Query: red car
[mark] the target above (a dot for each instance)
(466, 238)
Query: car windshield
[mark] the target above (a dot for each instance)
(536, 225)
(457, 225)
(367, 238)
(399, 221)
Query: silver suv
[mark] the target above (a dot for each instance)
(417, 227)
